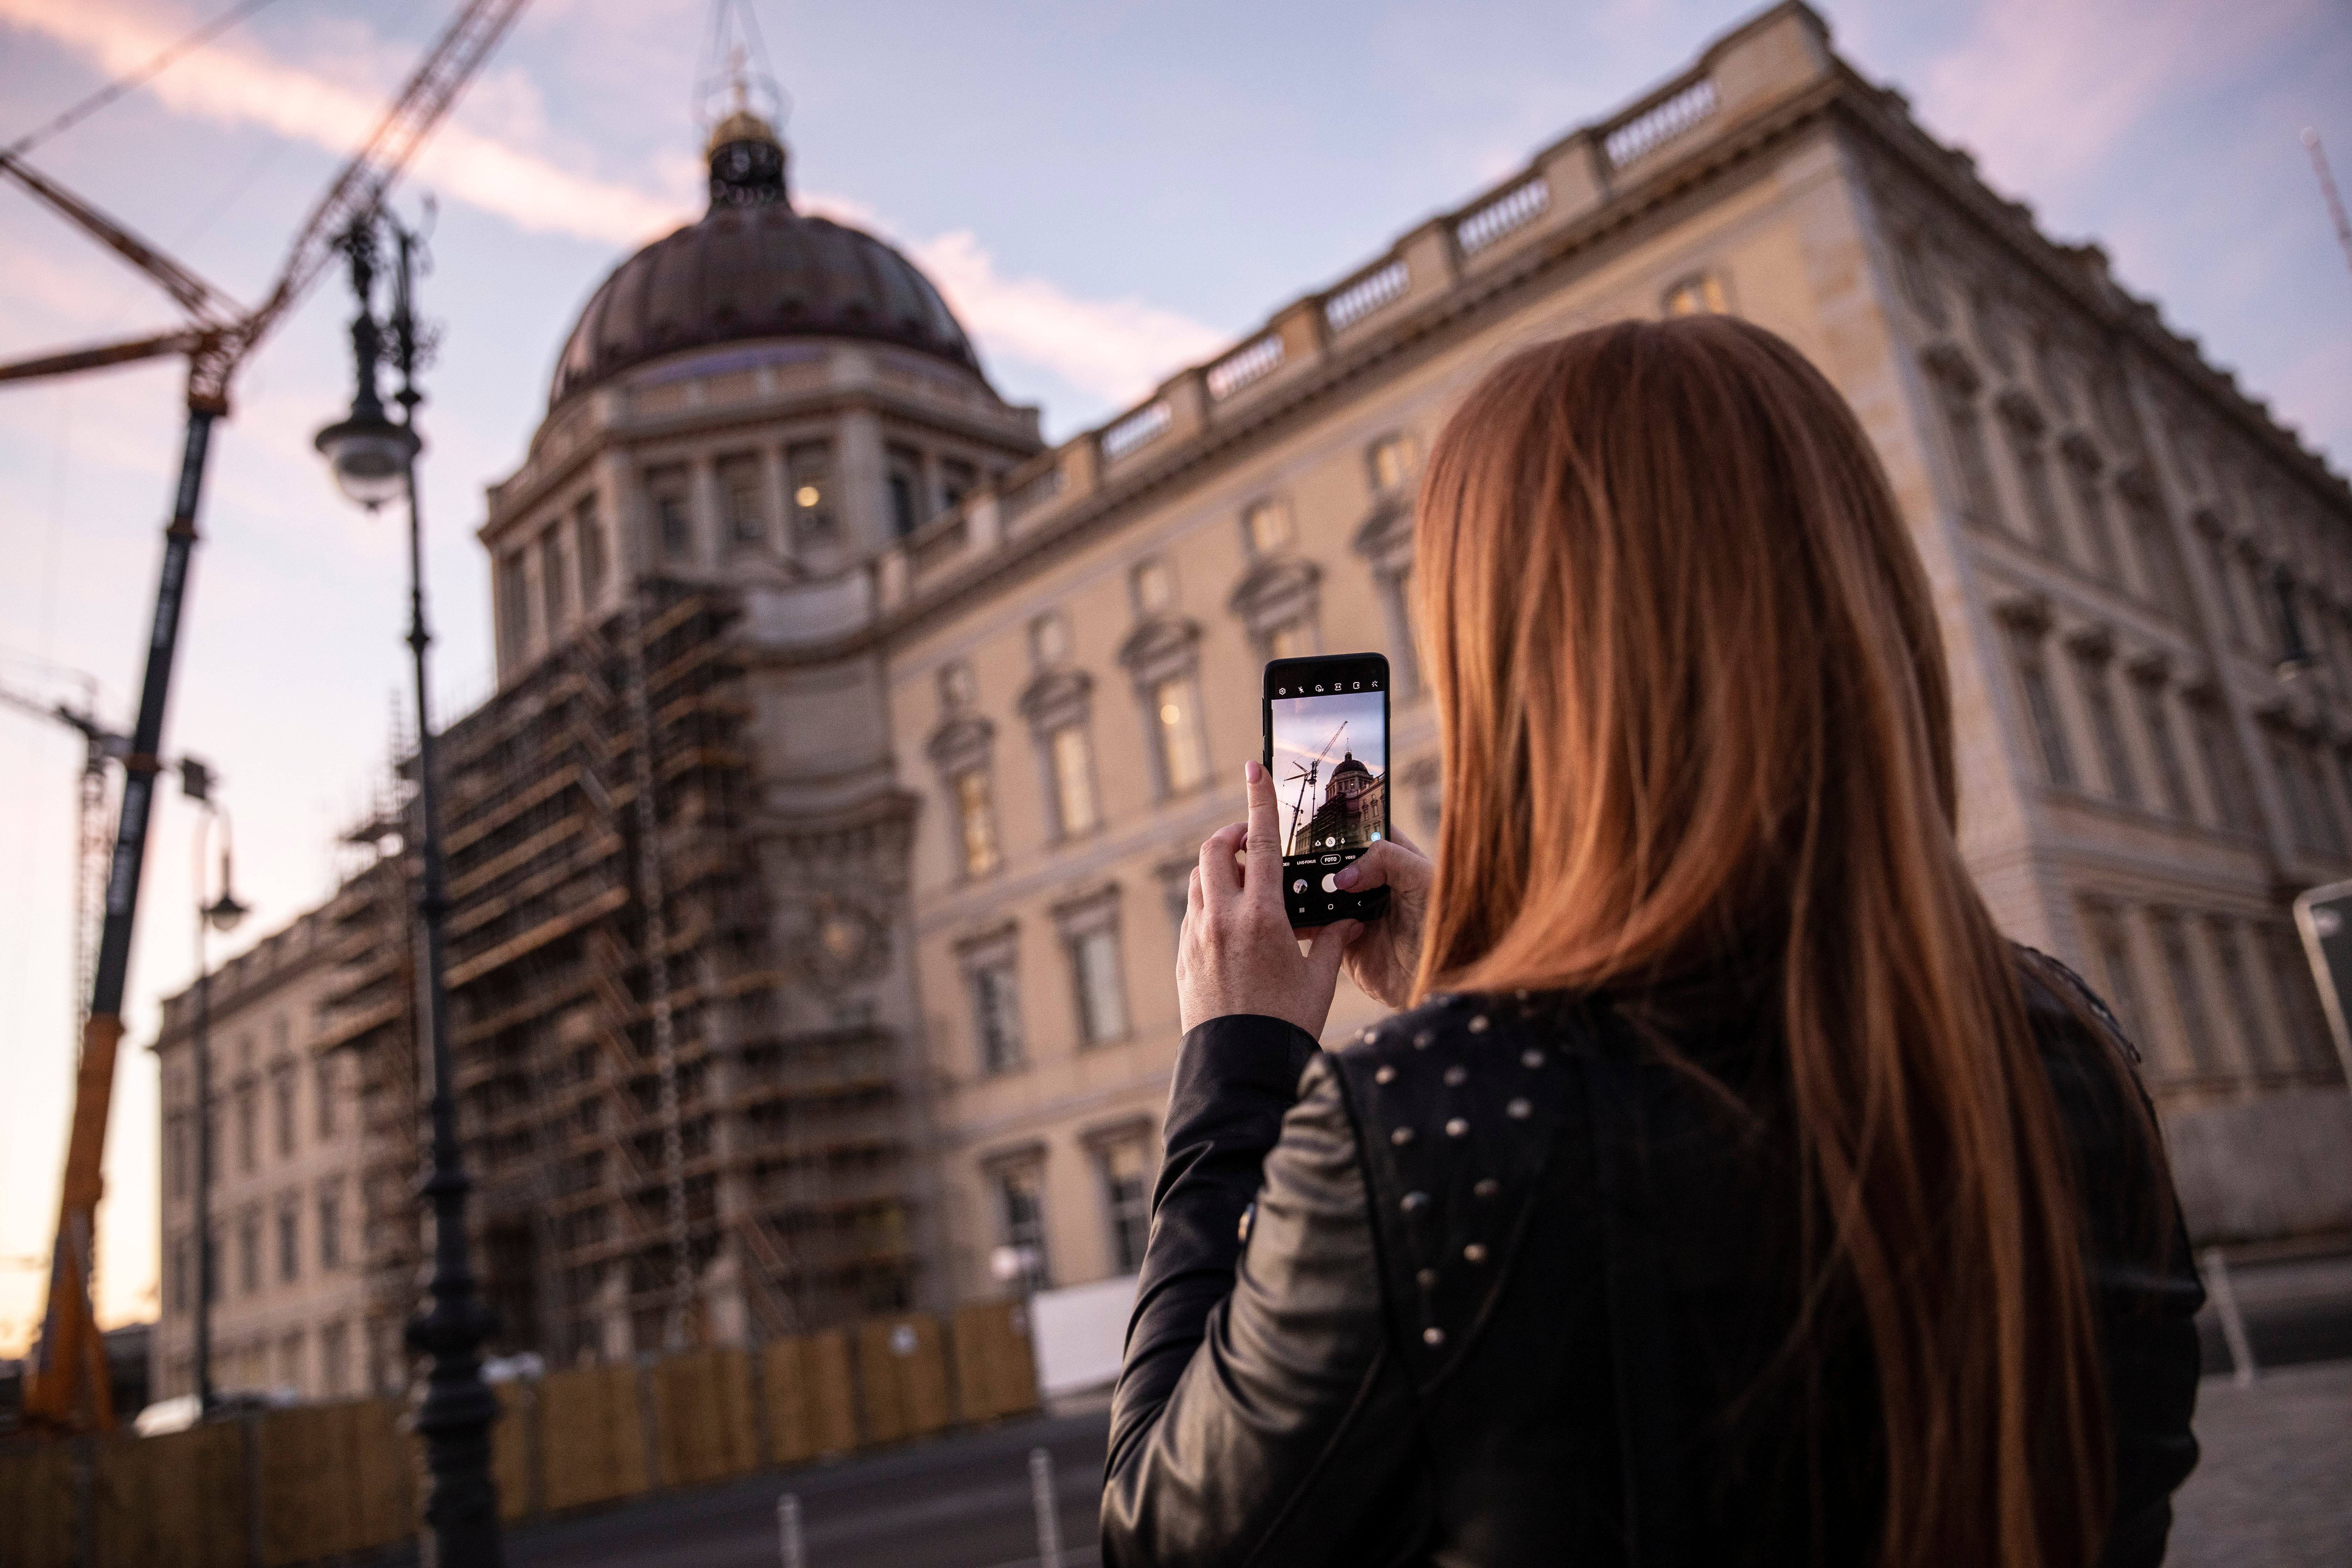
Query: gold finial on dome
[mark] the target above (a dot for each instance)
(745, 154)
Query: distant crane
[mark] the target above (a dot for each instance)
(101, 746)
(1305, 779)
(65, 1389)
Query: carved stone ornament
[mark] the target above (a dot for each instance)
(837, 940)
(1057, 698)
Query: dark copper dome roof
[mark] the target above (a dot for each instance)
(754, 269)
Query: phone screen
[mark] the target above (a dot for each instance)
(1327, 747)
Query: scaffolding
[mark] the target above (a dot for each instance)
(658, 1160)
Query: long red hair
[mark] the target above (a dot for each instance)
(1695, 713)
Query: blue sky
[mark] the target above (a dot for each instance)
(1105, 191)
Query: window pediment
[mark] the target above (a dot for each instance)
(1275, 590)
(1057, 698)
(962, 743)
(1385, 537)
(1160, 647)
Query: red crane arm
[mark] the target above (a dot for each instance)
(207, 304)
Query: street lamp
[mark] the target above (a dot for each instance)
(221, 915)
(375, 460)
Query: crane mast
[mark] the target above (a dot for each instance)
(66, 1388)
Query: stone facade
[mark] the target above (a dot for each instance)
(288, 1309)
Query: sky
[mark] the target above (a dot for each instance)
(1105, 191)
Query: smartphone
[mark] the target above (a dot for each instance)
(1327, 749)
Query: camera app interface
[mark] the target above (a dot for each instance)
(1331, 778)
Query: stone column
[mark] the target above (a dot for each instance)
(861, 503)
(709, 545)
(629, 548)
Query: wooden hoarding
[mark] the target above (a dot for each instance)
(812, 1403)
(995, 1364)
(592, 1437)
(902, 1374)
(702, 1416)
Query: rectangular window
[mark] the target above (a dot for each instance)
(2224, 765)
(2294, 788)
(588, 536)
(2166, 580)
(1049, 639)
(957, 480)
(2239, 993)
(322, 1091)
(905, 468)
(2312, 1042)
(1698, 295)
(739, 487)
(1154, 585)
(2323, 803)
(2107, 729)
(808, 468)
(248, 1119)
(1021, 1204)
(1102, 994)
(2156, 718)
(996, 1014)
(976, 819)
(1176, 722)
(331, 1227)
(1291, 639)
(1266, 525)
(2042, 714)
(248, 1251)
(2216, 561)
(1979, 501)
(2040, 500)
(289, 1360)
(1127, 1201)
(335, 1360)
(2188, 992)
(514, 606)
(551, 580)
(1394, 460)
(667, 490)
(1074, 808)
(290, 1244)
(282, 1089)
(2115, 967)
(2090, 506)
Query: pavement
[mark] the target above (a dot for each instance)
(2273, 1490)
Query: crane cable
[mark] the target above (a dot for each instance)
(116, 88)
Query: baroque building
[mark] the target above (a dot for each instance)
(824, 844)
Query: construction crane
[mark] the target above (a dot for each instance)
(101, 746)
(66, 1388)
(1305, 779)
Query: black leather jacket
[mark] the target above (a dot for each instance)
(1492, 1286)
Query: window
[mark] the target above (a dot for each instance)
(2216, 561)
(2106, 728)
(957, 479)
(2156, 718)
(1049, 639)
(281, 1087)
(809, 472)
(330, 1227)
(2034, 474)
(2223, 763)
(334, 1360)
(2042, 709)
(2188, 992)
(514, 606)
(2237, 993)
(248, 1117)
(1956, 392)
(1291, 639)
(1176, 724)
(1154, 587)
(588, 545)
(1125, 1172)
(2311, 1043)
(739, 488)
(289, 1242)
(551, 580)
(289, 1360)
(2114, 949)
(248, 1248)
(1393, 460)
(905, 467)
(176, 1285)
(2082, 475)
(996, 1006)
(673, 512)
(1266, 525)
(976, 823)
(322, 1090)
(1700, 294)
(958, 689)
(2167, 581)
(1072, 766)
(1102, 998)
(1020, 1204)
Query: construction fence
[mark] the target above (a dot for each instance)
(274, 1488)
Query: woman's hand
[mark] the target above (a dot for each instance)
(1384, 961)
(1238, 954)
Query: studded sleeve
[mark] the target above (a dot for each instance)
(1287, 1427)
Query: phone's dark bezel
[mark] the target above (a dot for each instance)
(1338, 671)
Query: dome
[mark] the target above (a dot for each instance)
(753, 268)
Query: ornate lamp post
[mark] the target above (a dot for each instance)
(375, 460)
(222, 914)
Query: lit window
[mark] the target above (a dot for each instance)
(1127, 1201)
(809, 472)
(1074, 780)
(1291, 639)
(976, 818)
(1049, 639)
(1701, 295)
(1268, 525)
(1102, 998)
(1155, 587)
(1394, 457)
(996, 1014)
(1176, 722)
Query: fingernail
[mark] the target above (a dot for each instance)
(1347, 878)
(1252, 771)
